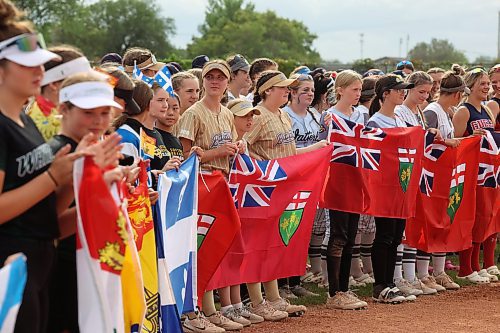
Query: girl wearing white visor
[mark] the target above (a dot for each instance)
(29, 173)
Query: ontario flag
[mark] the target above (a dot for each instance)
(110, 290)
(373, 171)
(276, 202)
(446, 200)
(218, 224)
(488, 188)
(141, 219)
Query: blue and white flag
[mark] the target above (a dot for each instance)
(178, 211)
(163, 78)
(137, 74)
(12, 281)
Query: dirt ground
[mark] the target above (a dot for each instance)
(471, 309)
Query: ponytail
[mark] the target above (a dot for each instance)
(375, 105)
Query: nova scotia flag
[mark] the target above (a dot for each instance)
(12, 281)
(163, 78)
(178, 211)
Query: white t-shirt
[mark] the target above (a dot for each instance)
(379, 120)
(436, 117)
(407, 115)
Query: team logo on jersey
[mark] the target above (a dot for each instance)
(292, 216)
(456, 190)
(406, 160)
(205, 222)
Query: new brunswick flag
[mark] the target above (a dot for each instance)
(446, 200)
(141, 219)
(110, 290)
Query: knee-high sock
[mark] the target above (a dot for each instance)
(438, 262)
(315, 252)
(423, 259)
(489, 251)
(409, 260)
(474, 260)
(366, 251)
(465, 258)
(324, 268)
(355, 261)
(255, 293)
(398, 270)
(271, 289)
(208, 304)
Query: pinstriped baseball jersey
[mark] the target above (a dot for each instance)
(208, 131)
(272, 136)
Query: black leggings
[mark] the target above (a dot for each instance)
(33, 313)
(343, 229)
(388, 235)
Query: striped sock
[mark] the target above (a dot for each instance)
(409, 260)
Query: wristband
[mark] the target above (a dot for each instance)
(53, 179)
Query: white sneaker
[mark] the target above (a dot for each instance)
(430, 282)
(234, 315)
(484, 273)
(406, 288)
(248, 315)
(493, 270)
(200, 325)
(365, 278)
(343, 301)
(353, 283)
(219, 320)
(474, 277)
(417, 284)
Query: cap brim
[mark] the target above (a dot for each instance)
(286, 83)
(94, 102)
(403, 85)
(467, 90)
(207, 69)
(244, 112)
(157, 66)
(34, 58)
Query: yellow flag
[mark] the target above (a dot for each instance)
(148, 144)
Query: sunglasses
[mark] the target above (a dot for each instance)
(305, 77)
(25, 42)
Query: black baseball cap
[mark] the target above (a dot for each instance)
(199, 61)
(389, 82)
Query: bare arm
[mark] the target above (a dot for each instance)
(460, 121)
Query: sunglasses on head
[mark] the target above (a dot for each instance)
(305, 77)
(25, 43)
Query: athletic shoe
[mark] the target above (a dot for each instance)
(300, 291)
(248, 315)
(450, 267)
(311, 277)
(219, 320)
(365, 278)
(284, 305)
(417, 284)
(343, 301)
(446, 281)
(323, 285)
(407, 289)
(286, 293)
(266, 311)
(430, 282)
(200, 324)
(493, 270)
(390, 296)
(355, 297)
(234, 315)
(474, 277)
(484, 273)
(355, 284)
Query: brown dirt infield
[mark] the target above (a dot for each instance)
(470, 309)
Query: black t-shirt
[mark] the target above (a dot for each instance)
(172, 143)
(24, 155)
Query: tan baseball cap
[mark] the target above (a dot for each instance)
(241, 109)
(211, 65)
(279, 80)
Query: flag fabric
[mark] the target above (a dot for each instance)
(163, 78)
(446, 200)
(488, 188)
(137, 74)
(147, 145)
(141, 218)
(373, 171)
(110, 290)
(218, 225)
(178, 210)
(13, 278)
(276, 201)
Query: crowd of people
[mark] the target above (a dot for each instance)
(55, 108)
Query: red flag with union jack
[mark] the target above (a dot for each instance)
(488, 188)
(276, 202)
(446, 199)
(373, 171)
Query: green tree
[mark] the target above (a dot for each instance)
(438, 50)
(363, 65)
(234, 26)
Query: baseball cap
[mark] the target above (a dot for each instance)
(27, 50)
(89, 95)
(149, 63)
(199, 61)
(131, 106)
(390, 82)
(238, 62)
(279, 80)
(242, 108)
(211, 65)
(111, 57)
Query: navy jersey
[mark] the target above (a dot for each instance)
(477, 120)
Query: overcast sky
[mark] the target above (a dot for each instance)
(471, 25)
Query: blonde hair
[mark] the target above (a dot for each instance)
(178, 78)
(344, 79)
(419, 78)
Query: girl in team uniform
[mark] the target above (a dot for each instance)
(272, 138)
(494, 103)
(470, 119)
